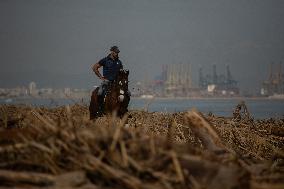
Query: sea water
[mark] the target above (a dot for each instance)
(259, 108)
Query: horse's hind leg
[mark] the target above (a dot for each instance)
(93, 107)
(92, 111)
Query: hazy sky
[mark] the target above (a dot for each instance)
(55, 42)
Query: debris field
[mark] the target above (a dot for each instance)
(61, 148)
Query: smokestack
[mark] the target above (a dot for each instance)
(280, 72)
(214, 74)
(271, 73)
(201, 78)
(229, 75)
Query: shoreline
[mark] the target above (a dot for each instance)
(154, 98)
(208, 98)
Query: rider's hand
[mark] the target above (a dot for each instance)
(103, 78)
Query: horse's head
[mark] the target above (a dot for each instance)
(122, 79)
(122, 83)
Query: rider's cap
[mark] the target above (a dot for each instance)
(114, 49)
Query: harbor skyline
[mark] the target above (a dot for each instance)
(56, 42)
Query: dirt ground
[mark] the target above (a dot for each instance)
(61, 148)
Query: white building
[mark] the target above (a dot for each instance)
(32, 89)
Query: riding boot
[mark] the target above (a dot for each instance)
(101, 104)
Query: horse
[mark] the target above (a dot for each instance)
(115, 100)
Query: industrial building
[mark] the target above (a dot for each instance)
(218, 85)
(175, 80)
(274, 85)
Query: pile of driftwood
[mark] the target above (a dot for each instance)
(62, 148)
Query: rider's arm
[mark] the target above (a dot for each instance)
(95, 68)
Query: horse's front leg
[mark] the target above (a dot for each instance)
(123, 106)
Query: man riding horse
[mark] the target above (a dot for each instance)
(111, 67)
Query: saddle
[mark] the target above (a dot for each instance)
(106, 89)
